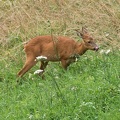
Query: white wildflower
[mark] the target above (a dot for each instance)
(38, 71)
(30, 75)
(30, 117)
(73, 88)
(41, 84)
(107, 51)
(40, 58)
(56, 77)
(102, 51)
(76, 59)
(107, 34)
(89, 104)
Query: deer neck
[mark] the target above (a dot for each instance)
(80, 48)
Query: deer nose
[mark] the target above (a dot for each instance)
(96, 48)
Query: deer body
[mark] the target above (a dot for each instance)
(60, 48)
(52, 48)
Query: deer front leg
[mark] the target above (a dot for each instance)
(65, 64)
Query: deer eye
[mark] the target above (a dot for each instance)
(89, 41)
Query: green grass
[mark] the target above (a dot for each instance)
(89, 90)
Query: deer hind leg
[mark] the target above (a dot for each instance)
(30, 62)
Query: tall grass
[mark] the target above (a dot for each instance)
(88, 90)
(30, 18)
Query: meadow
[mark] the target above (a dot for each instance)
(89, 89)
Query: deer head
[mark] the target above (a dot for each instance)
(89, 42)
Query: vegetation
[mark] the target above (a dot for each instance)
(89, 89)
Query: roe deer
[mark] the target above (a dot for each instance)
(59, 48)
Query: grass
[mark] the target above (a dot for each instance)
(88, 90)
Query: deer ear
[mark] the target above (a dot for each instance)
(80, 34)
(84, 30)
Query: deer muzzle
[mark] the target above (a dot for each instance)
(96, 48)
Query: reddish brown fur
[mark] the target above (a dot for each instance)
(60, 48)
